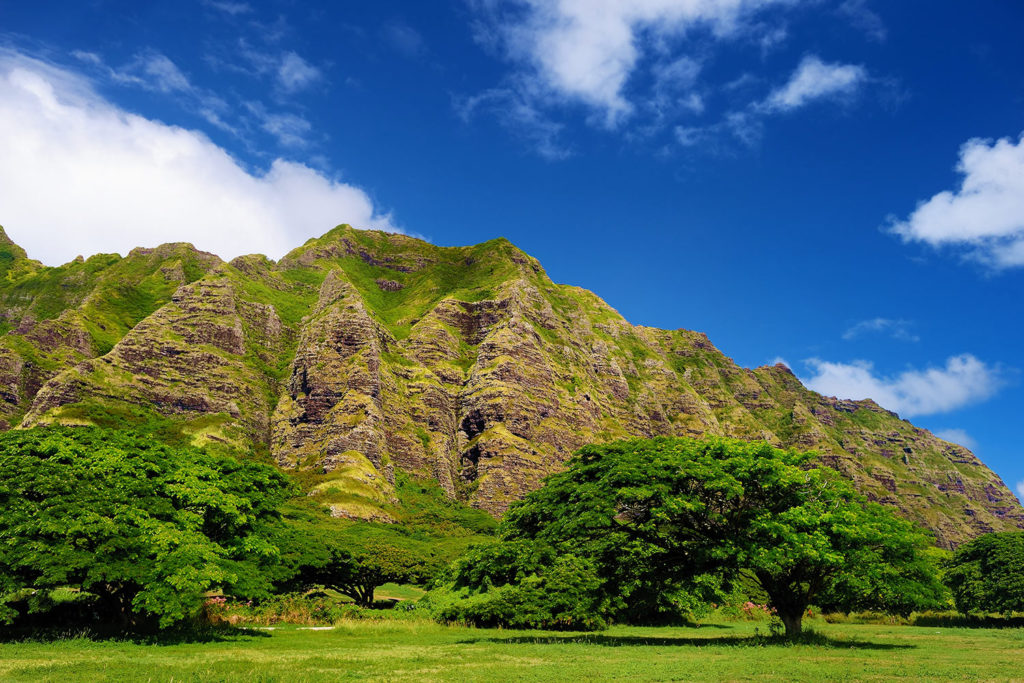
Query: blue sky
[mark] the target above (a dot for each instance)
(838, 184)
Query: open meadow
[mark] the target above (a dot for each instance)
(414, 650)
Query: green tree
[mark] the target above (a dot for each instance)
(669, 523)
(352, 559)
(358, 571)
(145, 528)
(987, 574)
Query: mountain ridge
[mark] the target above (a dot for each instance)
(362, 352)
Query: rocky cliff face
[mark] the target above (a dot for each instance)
(363, 353)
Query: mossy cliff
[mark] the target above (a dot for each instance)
(362, 354)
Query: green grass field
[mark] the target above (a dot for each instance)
(389, 650)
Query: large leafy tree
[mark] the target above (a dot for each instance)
(144, 527)
(670, 522)
(356, 566)
(355, 558)
(987, 574)
(358, 572)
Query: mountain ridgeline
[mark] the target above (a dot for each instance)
(364, 353)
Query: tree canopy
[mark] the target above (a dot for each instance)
(146, 528)
(356, 567)
(669, 523)
(987, 574)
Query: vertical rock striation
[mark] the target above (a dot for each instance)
(361, 354)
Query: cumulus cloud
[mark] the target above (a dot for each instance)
(586, 50)
(897, 329)
(78, 175)
(642, 62)
(1020, 491)
(816, 80)
(957, 436)
(813, 80)
(985, 215)
(963, 381)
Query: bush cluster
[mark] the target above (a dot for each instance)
(521, 591)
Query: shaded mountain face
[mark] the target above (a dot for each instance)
(362, 353)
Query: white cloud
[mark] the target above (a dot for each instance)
(87, 57)
(289, 71)
(985, 215)
(152, 71)
(1020, 491)
(957, 436)
(861, 17)
(79, 175)
(291, 130)
(675, 75)
(155, 72)
(964, 380)
(674, 88)
(745, 127)
(815, 80)
(521, 115)
(897, 329)
(405, 39)
(294, 73)
(587, 50)
(232, 8)
(773, 38)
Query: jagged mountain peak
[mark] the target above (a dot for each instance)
(362, 353)
(4, 239)
(169, 250)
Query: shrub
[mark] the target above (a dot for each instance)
(563, 596)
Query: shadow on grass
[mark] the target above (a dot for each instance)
(808, 638)
(968, 621)
(176, 636)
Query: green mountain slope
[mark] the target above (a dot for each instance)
(362, 354)
(53, 318)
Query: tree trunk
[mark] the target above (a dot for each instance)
(366, 596)
(115, 603)
(793, 621)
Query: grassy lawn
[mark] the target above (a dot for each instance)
(390, 650)
(396, 591)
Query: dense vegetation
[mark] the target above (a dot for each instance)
(142, 528)
(131, 531)
(655, 529)
(987, 574)
(121, 528)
